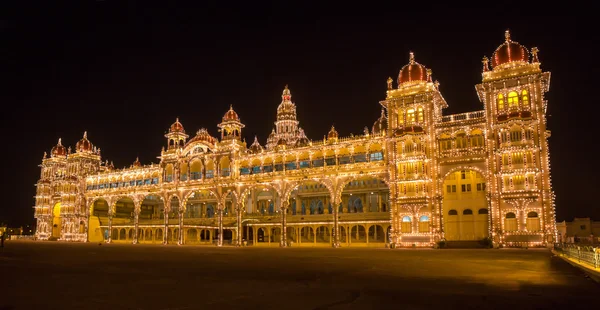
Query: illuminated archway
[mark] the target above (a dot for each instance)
(56, 221)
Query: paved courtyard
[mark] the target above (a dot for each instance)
(55, 275)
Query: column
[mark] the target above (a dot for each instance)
(283, 209)
(136, 221)
(180, 237)
(166, 228)
(336, 225)
(220, 219)
(239, 210)
(110, 215)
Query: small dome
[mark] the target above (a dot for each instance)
(380, 124)
(84, 145)
(231, 115)
(203, 136)
(412, 72)
(302, 140)
(333, 134)
(58, 150)
(137, 163)
(255, 148)
(177, 127)
(510, 51)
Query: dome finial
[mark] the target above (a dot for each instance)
(507, 35)
(286, 86)
(534, 54)
(230, 106)
(59, 141)
(85, 134)
(177, 119)
(411, 58)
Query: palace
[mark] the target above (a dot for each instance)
(415, 178)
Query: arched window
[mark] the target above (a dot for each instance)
(461, 140)
(515, 134)
(533, 221)
(406, 224)
(467, 212)
(410, 116)
(513, 100)
(525, 98)
(482, 211)
(420, 115)
(400, 118)
(510, 222)
(424, 224)
(500, 102)
(452, 212)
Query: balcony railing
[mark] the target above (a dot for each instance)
(463, 116)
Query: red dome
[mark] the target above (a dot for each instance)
(414, 71)
(509, 51)
(84, 145)
(231, 115)
(177, 127)
(333, 134)
(137, 163)
(58, 150)
(203, 136)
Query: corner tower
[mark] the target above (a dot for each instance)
(413, 109)
(513, 93)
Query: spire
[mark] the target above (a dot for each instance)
(286, 95)
(411, 58)
(85, 134)
(534, 55)
(59, 141)
(485, 61)
(507, 35)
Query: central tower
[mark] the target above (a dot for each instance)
(286, 130)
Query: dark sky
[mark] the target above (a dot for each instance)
(124, 71)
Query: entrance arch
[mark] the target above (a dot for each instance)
(464, 208)
(98, 216)
(56, 221)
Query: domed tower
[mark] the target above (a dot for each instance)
(381, 124)
(332, 135)
(513, 94)
(231, 130)
(286, 127)
(413, 108)
(176, 137)
(255, 148)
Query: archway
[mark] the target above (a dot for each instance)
(56, 221)
(124, 209)
(151, 215)
(366, 194)
(98, 217)
(464, 208)
(309, 198)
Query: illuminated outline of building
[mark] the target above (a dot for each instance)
(415, 178)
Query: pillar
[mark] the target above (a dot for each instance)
(336, 225)
(180, 237)
(220, 219)
(283, 208)
(109, 240)
(239, 209)
(166, 228)
(136, 221)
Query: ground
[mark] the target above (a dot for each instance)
(56, 275)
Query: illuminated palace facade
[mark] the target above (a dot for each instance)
(415, 178)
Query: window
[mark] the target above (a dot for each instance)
(406, 225)
(141, 182)
(529, 134)
(344, 160)
(482, 211)
(515, 135)
(525, 98)
(461, 140)
(446, 144)
(210, 174)
(505, 159)
(244, 171)
(477, 140)
(376, 156)
(290, 166)
(225, 172)
(420, 115)
(318, 162)
(278, 167)
(155, 180)
(513, 100)
(304, 164)
(147, 182)
(582, 227)
(330, 161)
(255, 169)
(452, 212)
(424, 224)
(467, 212)
(466, 187)
(500, 102)
(479, 187)
(267, 168)
(360, 158)
(463, 174)
(400, 118)
(410, 116)
(195, 175)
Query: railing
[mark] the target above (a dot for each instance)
(463, 116)
(587, 255)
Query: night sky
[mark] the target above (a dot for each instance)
(124, 71)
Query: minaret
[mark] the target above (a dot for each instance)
(176, 137)
(520, 189)
(286, 126)
(231, 131)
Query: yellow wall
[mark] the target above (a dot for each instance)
(459, 197)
